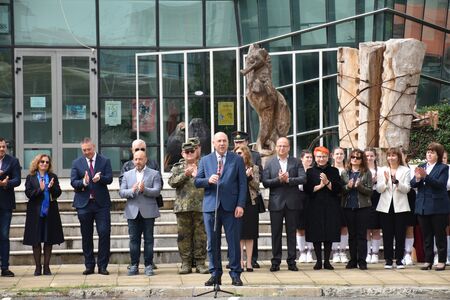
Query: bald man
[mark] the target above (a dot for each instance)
(222, 175)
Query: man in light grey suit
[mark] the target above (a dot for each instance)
(141, 186)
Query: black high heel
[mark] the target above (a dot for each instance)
(440, 268)
(38, 271)
(426, 266)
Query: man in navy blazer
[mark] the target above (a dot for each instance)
(223, 171)
(90, 175)
(9, 179)
(282, 174)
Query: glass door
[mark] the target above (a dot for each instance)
(56, 105)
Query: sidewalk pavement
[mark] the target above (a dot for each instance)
(67, 281)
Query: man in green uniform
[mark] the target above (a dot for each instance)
(188, 209)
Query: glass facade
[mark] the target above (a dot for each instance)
(116, 30)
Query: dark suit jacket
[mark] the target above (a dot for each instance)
(284, 194)
(432, 197)
(232, 182)
(36, 196)
(100, 188)
(10, 167)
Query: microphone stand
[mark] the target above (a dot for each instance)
(216, 289)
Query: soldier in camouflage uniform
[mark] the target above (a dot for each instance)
(188, 209)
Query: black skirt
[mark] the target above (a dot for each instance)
(250, 220)
(374, 219)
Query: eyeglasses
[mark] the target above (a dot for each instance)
(139, 149)
(189, 151)
(44, 162)
(239, 153)
(356, 157)
(321, 156)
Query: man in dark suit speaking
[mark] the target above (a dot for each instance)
(282, 174)
(90, 176)
(226, 169)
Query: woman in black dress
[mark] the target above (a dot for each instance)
(43, 222)
(250, 218)
(323, 215)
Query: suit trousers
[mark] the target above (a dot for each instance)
(357, 221)
(102, 217)
(433, 226)
(5, 224)
(394, 227)
(276, 225)
(232, 228)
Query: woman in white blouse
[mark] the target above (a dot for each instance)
(393, 183)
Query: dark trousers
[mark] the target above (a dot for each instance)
(433, 226)
(276, 224)
(232, 227)
(102, 217)
(394, 227)
(137, 227)
(357, 221)
(5, 224)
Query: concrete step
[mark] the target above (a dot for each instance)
(121, 228)
(120, 255)
(122, 241)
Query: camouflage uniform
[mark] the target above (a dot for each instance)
(191, 229)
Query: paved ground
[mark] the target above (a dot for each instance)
(67, 280)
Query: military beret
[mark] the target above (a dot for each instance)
(239, 136)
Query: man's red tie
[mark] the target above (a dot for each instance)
(91, 169)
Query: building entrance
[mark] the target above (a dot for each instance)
(56, 104)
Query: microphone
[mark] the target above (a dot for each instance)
(219, 165)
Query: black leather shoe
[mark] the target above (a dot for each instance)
(103, 271)
(274, 268)
(236, 281)
(46, 270)
(292, 268)
(318, 265)
(255, 265)
(7, 273)
(212, 280)
(38, 271)
(351, 265)
(363, 267)
(88, 272)
(327, 266)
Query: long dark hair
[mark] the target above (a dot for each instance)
(363, 166)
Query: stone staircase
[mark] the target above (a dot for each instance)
(70, 251)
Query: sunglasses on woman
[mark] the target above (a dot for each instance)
(44, 162)
(356, 157)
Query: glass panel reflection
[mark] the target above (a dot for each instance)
(180, 23)
(220, 24)
(37, 99)
(30, 154)
(6, 119)
(75, 100)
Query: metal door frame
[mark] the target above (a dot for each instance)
(57, 144)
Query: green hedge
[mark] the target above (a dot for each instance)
(421, 137)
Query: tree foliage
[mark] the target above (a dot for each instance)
(421, 137)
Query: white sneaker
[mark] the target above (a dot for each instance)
(386, 266)
(344, 258)
(309, 258)
(408, 260)
(400, 267)
(369, 259)
(374, 259)
(336, 257)
(302, 258)
(436, 260)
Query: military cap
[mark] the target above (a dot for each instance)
(195, 141)
(187, 146)
(239, 136)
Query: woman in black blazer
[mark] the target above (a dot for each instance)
(432, 204)
(43, 222)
